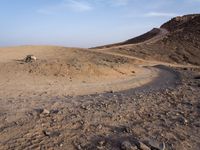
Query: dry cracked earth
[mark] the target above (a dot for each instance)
(165, 114)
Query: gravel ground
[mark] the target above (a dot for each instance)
(162, 115)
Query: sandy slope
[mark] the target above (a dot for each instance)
(67, 71)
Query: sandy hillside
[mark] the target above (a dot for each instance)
(65, 71)
(176, 41)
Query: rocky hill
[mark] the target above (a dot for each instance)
(180, 44)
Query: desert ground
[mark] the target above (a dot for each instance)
(124, 96)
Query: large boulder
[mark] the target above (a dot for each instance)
(30, 58)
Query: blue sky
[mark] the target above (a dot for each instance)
(84, 23)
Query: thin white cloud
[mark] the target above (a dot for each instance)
(195, 1)
(120, 2)
(66, 5)
(45, 11)
(112, 3)
(79, 5)
(160, 14)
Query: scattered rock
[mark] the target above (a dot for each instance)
(162, 146)
(143, 146)
(111, 91)
(42, 111)
(198, 85)
(126, 145)
(127, 130)
(156, 145)
(85, 107)
(47, 133)
(197, 77)
(183, 120)
(45, 111)
(185, 68)
(101, 145)
(51, 134)
(99, 126)
(78, 147)
(30, 58)
(56, 111)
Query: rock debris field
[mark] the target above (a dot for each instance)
(160, 115)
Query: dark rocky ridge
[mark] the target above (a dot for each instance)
(138, 39)
(186, 22)
(180, 45)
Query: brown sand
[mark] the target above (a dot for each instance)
(67, 71)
